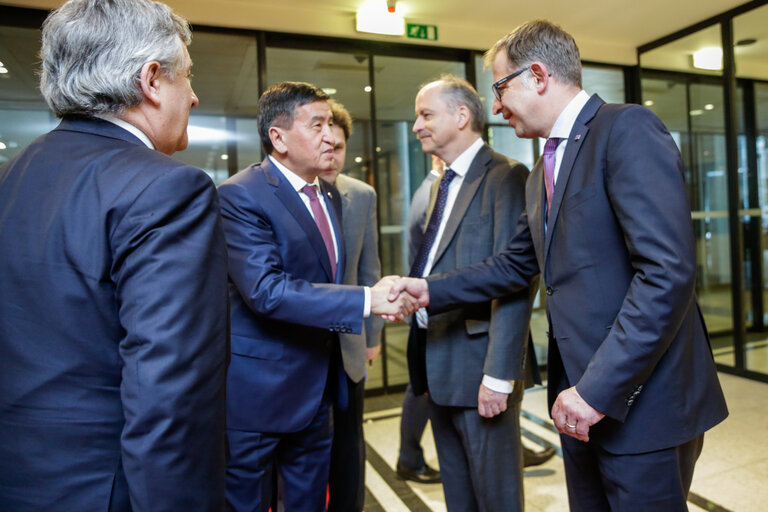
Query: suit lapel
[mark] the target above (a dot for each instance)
(293, 203)
(469, 186)
(575, 142)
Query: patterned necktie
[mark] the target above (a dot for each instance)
(549, 168)
(420, 263)
(322, 225)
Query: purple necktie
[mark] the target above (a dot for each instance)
(549, 168)
(420, 263)
(322, 225)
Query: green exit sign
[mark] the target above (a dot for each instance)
(428, 32)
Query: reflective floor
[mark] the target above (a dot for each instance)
(731, 474)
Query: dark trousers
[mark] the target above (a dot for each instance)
(599, 481)
(413, 421)
(346, 482)
(481, 462)
(302, 461)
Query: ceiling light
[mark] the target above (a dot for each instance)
(708, 58)
(648, 103)
(2, 145)
(709, 106)
(358, 159)
(696, 112)
(367, 88)
(225, 156)
(329, 90)
(375, 18)
(746, 42)
(3, 70)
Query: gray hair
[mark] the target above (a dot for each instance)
(93, 52)
(543, 41)
(457, 92)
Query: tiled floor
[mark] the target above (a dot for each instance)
(731, 475)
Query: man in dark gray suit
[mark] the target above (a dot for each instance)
(358, 212)
(471, 361)
(632, 381)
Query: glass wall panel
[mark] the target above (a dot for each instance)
(24, 114)
(222, 128)
(751, 56)
(401, 168)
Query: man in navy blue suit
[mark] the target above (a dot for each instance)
(632, 381)
(113, 318)
(286, 257)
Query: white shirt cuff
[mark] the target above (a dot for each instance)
(498, 385)
(367, 304)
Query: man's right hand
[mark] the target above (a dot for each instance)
(415, 288)
(396, 309)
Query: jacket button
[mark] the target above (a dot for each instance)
(549, 290)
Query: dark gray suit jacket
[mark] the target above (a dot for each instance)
(490, 337)
(358, 220)
(619, 265)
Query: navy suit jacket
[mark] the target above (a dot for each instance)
(286, 309)
(113, 327)
(619, 264)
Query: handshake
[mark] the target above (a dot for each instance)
(394, 297)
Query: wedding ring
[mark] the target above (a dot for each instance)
(570, 426)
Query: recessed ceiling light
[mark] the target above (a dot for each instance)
(367, 88)
(2, 145)
(358, 159)
(746, 41)
(648, 103)
(710, 58)
(329, 90)
(225, 156)
(696, 112)
(709, 106)
(3, 70)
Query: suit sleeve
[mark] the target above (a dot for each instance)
(257, 269)
(510, 271)
(644, 180)
(170, 273)
(511, 314)
(369, 269)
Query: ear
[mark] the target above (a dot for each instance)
(541, 76)
(149, 78)
(277, 137)
(463, 116)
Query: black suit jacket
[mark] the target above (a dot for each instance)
(113, 327)
(619, 265)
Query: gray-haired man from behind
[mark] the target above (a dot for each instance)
(113, 318)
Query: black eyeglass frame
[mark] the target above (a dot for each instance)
(495, 85)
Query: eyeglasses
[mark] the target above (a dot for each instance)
(495, 86)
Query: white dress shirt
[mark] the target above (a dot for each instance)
(128, 127)
(564, 124)
(299, 183)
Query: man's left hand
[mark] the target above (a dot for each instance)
(371, 353)
(573, 415)
(490, 403)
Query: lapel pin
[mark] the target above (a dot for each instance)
(577, 137)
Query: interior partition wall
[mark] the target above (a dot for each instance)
(718, 117)
(376, 81)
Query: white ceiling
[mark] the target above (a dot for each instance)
(606, 30)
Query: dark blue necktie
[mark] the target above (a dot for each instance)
(420, 263)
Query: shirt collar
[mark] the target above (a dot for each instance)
(461, 164)
(565, 121)
(128, 127)
(296, 181)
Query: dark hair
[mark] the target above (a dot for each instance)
(543, 41)
(278, 104)
(341, 117)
